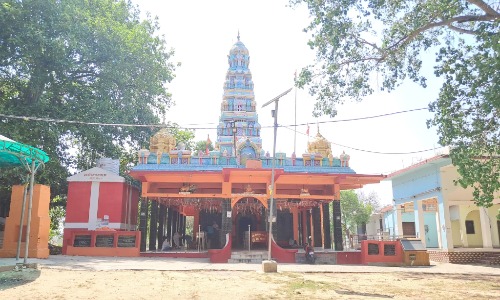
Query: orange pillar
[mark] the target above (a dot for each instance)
(40, 223)
(295, 216)
(304, 226)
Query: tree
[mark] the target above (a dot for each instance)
(356, 40)
(370, 198)
(202, 146)
(354, 211)
(87, 61)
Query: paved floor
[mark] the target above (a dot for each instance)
(193, 264)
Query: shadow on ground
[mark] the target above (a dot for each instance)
(354, 293)
(11, 279)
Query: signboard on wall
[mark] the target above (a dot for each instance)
(96, 175)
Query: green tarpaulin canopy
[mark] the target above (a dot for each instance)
(13, 153)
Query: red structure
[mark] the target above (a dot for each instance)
(382, 252)
(99, 203)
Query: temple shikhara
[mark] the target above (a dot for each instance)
(226, 192)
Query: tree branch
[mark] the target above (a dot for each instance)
(484, 7)
(461, 30)
(459, 19)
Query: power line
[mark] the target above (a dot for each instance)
(371, 151)
(28, 118)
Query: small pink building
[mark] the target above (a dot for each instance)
(99, 200)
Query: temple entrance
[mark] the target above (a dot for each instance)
(249, 222)
(245, 223)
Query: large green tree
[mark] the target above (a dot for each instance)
(356, 40)
(355, 211)
(80, 60)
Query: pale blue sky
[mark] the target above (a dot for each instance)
(202, 33)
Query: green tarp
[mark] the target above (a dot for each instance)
(13, 153)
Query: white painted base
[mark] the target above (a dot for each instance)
(269, 266)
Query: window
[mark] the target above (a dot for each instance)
(469, 227)
(373, 249)
(389, 250)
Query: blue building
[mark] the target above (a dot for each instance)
(428, 205)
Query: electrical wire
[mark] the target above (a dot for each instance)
(371, 151)
(29, 118)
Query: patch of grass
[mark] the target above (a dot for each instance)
(304, 286)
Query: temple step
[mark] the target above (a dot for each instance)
(248, 257)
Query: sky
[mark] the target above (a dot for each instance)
(203, 32)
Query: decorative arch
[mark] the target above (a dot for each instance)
(473, 229)
(262, 200)
(241, 144)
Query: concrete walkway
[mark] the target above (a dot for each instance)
(195, 264)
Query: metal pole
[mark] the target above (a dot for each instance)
(272, 188)
(199, 238)
(271, 200)
(295, 124)
(249, 237)
(21, 222)
(30, 204)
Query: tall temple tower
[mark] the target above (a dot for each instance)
(238, 132)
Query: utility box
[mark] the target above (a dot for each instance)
(414, 253)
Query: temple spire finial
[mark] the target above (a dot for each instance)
(238, 35)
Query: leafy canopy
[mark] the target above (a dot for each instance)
(90, 61)
(356, 40)
(355, 211)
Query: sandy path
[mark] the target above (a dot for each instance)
(68, 284)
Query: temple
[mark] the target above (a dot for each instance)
(226, 190)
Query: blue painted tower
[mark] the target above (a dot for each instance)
(238, 132)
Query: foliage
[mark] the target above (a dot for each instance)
(370, 198)
(182, 136)
(57, 213)
(354, 211)
(89, 61)
(202, 146)
(358, 40)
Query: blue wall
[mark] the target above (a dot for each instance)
(431, 237)
(419, 183)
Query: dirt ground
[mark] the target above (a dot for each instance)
(47, 283)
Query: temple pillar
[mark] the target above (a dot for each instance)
(226, 222)
(143, 223)
(304, 227)
(322, 226)
(153, 225)
(161, 225)
(311, 227)
(326, 226)
(338, 238)
(295, 216)
(317, 227)
(170, 217)
(337, 226)
(175, 220)
(196, 222)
